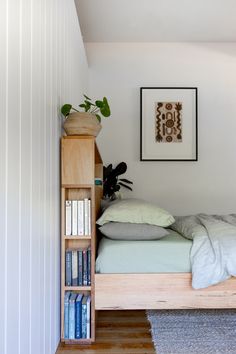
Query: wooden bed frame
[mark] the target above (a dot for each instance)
(160, 291)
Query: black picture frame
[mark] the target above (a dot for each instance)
(189, 133)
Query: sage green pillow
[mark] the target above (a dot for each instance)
(136, 211)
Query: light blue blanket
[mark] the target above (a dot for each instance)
(213, 254)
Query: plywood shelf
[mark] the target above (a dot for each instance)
(81, 163)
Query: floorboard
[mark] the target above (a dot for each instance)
(118, 332)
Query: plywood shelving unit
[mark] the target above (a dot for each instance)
(81, 163)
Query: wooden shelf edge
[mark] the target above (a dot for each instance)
(79, 186)
(77, 341)
(77, 288)
(77, 237)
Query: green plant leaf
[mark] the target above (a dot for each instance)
(125, 180)
(105, 109)
(87, 97)
(82, 105)
(99, 104)
(65, 109)
(98, 118)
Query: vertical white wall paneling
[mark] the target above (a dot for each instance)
(182, 187)
(26, 177)
(37, 77)
(13, 187)
(3, 169)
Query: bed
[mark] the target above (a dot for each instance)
(127, 278)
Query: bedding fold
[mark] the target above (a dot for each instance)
(213, 253)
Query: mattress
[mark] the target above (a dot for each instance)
(170, 254)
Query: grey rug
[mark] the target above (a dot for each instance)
(193, 331)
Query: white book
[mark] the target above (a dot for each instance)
(68, 217)
(89, 217)
(86, 216)
(74, 217)
(74, 268)
(88, 334)
(80, 217)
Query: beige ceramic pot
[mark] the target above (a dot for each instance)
(82, 123)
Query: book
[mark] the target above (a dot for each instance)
(72, 315)
(88, 323)
(68, 218)
(80, 267)
(89, 265)
(74, 268)
(66, 314)
(74, 217)
(84, 317)
(78, 316)
(86, 216)
(80, 217)
(68, 270)
(85, 267)
(89, 217)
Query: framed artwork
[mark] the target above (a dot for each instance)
(168, 124)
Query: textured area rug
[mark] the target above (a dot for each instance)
(193, 331)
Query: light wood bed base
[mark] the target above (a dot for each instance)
(160, 291)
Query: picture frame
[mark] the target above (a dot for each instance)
(168, 124)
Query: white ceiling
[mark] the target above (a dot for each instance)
(157, 20)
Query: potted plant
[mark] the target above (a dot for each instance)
(111, 181)
(87, 122)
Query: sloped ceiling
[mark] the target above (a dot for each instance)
(157, 20)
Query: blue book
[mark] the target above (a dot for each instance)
(89, 266)
(85, 267)
(68, 279)
(88, 332)
(80, 267)
(66, 314)
(72, 316)
(78, 316)
(84, 317)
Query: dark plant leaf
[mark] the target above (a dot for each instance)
(82, 105)
(98, 118)
(99, 104)
(65, 109)
(125, 180)
(87, 97)
(124, 185)
(120, 169)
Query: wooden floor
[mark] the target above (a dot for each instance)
(118, 332)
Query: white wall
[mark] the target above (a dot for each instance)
(118, 70)
(42, 66)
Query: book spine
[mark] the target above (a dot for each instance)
(89, 266)
(74, 217)
(68, 280)
(80, 217)
(68, 218)
(85, 268)
(86, 225)
(80, 267)
(88, 334)
(72, 317)
(84, 318)
(66, 315)
(74, 268)
(89, 217)
(78, 317)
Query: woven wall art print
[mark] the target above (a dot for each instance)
(168, 122)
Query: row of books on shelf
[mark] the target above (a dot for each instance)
(78, 217)
(77, 316)
(78, 267)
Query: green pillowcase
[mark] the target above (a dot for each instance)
(132, 232)
(136, 211)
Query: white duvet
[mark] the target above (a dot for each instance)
(213, 254)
